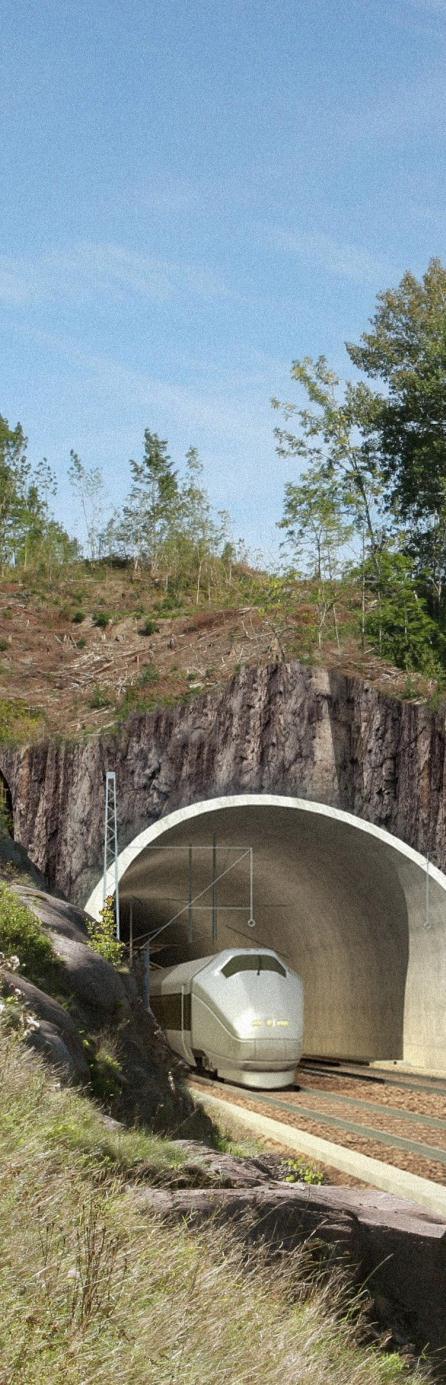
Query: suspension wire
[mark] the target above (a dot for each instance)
(190, 903)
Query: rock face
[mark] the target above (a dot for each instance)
(395, 1248)
(284, 729)
(99, 1015)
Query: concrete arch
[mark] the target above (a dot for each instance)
(343, 899)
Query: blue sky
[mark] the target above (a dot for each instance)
(195, 194)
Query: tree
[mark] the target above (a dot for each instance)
(87, 484)
(405, 351)
(397, 621)
(152, 507)
(198, 525)
(336, 436)
(316, 532)
(315, 524)
(14, 481)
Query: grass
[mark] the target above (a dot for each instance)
(18, 721)
(97, 1291)
(22, 934)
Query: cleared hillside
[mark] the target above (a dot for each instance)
(91, 646)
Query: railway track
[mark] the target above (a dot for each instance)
(399, 1120)
(421, 1082)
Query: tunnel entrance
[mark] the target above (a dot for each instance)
(341, 900)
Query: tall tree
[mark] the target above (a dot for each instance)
(336, 436)
(152, 506)
(15, 473)
(405, 353)
(88, 485)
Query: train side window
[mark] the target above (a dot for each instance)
(259, 962)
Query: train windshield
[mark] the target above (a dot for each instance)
(260, 961)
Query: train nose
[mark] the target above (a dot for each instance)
(280, 1050)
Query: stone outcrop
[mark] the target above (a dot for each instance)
(98, 1012)
(285, 729)
(394, 1247)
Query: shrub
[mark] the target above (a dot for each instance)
(101, 619)
(297, 1171)
(102, 934)
(149, 627)
(22, 934)
(99, 698)
(149, 676)
(78, 617)
(3, 645)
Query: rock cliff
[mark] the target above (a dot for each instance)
(286, 729)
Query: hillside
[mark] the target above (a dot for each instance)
(100, 641)
(96, 1289)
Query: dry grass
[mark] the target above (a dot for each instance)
(93, 1290)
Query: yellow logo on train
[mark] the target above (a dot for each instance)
(271, 1024)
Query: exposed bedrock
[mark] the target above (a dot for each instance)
(284, 729)
(395, 1248)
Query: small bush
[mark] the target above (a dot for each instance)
(102, 934)
(78, 617)
(22, 934)
(149, 676)
(101, 619)
(99, 698)
(3, 645)
(297, 1171)
(80, 644)
(149, 627)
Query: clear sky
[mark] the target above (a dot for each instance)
(195, 193)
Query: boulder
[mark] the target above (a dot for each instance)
(394, 1247)
(57, 1037)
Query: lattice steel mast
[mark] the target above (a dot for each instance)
(111, 843)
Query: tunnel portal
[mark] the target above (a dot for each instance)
(348, 906)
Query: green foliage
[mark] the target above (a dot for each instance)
(29, 536)
(101, 619)
(398, 623)
(149, 627)
(78, 617)
(297, 1171)
(378, 471)
(149, 676)
(18, 721)
(99, 697)
(105, 1075)
(23, 935)
(102, 934)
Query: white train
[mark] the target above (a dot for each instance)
(238, 1014)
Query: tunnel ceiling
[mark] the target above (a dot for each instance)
(336, 902)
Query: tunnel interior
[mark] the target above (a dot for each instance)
(331, 900)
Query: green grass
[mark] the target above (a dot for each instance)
(98, 1291)
(22, 934)
(18, 721)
